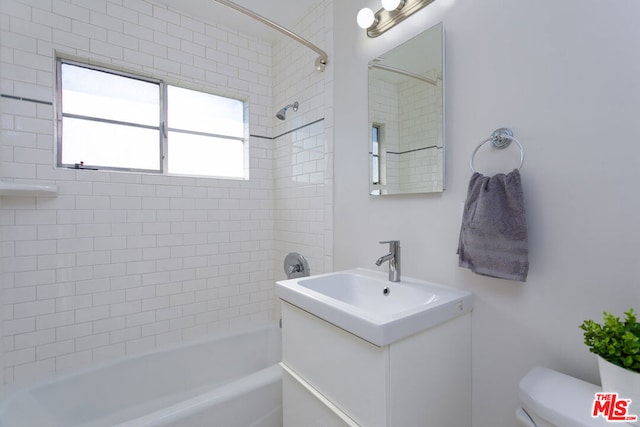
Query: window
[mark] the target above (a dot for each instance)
(205, 133)
(375, 154)
(117, 121)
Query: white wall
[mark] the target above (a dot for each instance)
(119, 263)
(420, 118)
(384, 105)
(563, 76)
(303, 147)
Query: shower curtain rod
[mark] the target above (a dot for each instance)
(321, 61)
(403, 72)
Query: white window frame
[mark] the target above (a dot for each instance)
(376, 129)
(162, 127)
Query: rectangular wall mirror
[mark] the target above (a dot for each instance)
(406, 116)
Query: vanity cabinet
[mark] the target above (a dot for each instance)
(334, 378)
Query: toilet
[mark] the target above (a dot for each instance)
(553, 399)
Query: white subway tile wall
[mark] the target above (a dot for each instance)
(384, 105)
(420, 121)
(405, 131)
(120, 263)
(303, 158)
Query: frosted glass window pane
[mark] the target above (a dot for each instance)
(203, 112)
(104, 95)
(374, 140)
(114, 121)
(203, 155)
(109, 145)
(374, 170)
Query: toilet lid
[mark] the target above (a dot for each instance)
(560, 399)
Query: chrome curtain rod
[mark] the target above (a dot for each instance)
(321, 61)
(403, 72)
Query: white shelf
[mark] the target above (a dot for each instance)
(18, 189)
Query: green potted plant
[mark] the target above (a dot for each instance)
(614, 340)
(617, 344)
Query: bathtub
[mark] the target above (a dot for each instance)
(227, 381)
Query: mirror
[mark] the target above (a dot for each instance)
(406, 117)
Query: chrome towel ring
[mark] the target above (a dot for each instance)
(500, 138)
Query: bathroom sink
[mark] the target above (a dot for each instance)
(367, 304)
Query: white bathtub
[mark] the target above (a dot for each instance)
(228, 381)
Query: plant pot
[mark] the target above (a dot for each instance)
(626, 383)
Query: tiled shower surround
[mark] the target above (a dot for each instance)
(422, 168)
(399, 109)
(119, 263)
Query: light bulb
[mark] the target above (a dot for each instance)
(365, 18)
(392, 4)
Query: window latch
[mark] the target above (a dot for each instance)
(82, 166)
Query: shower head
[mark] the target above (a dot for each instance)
(283, 112)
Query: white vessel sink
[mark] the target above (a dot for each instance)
(367, 304)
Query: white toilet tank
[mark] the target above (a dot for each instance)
(552, 399)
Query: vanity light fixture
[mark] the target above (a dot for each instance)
(366, 18)
(392, 4)
(392, 13)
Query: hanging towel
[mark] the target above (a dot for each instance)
(493, 235)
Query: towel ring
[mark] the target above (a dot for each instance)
(500, 138)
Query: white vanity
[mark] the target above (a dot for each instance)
(359, 350)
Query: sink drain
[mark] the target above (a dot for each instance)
(386, 291)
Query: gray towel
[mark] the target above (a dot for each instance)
(493, 235)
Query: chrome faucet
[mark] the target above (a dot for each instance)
(394, 260)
